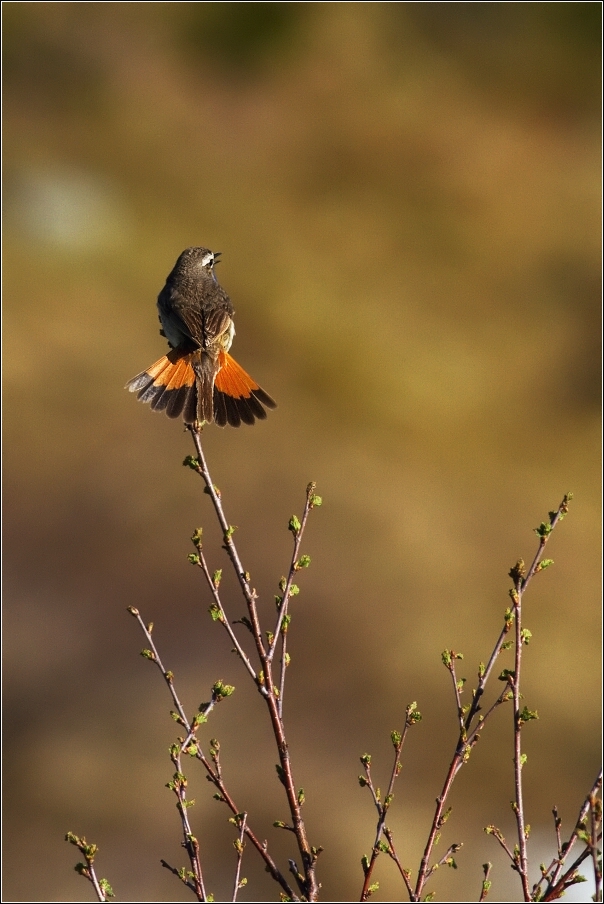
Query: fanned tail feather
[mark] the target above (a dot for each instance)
(237, 398)
(187, 384)
(169, 385)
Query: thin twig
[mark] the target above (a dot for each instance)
(213, 773)
(222, 616)
(280, 632)
(101, 887)
(486, 882)
(521, 581)
(496, 833)
(264, 681)
(405, 874)
(241, 820)
(557, 882)
(412, 716)
(469, 736)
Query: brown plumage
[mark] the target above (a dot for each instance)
(198, 378)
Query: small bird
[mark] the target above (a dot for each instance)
(198, 378)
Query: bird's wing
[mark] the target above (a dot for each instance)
(204, 327)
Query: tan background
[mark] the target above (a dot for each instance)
(406, 196)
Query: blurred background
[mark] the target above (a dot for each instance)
(407, 199)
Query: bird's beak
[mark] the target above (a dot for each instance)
(216, 256)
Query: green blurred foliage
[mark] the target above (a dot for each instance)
(407, 198)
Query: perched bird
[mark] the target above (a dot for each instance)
(198, 378)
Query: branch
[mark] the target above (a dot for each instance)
(264, 679)
(191, 745)
(101, 886)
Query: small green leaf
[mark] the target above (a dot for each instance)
(294, 524)
(545, 563)
(221, 690)
(106, 888)
(527, 714)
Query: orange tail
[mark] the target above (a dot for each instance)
(172, 385)
(237, 397)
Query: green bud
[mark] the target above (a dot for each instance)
(517, 571)
(294, 525)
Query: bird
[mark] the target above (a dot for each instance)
(198, 378)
